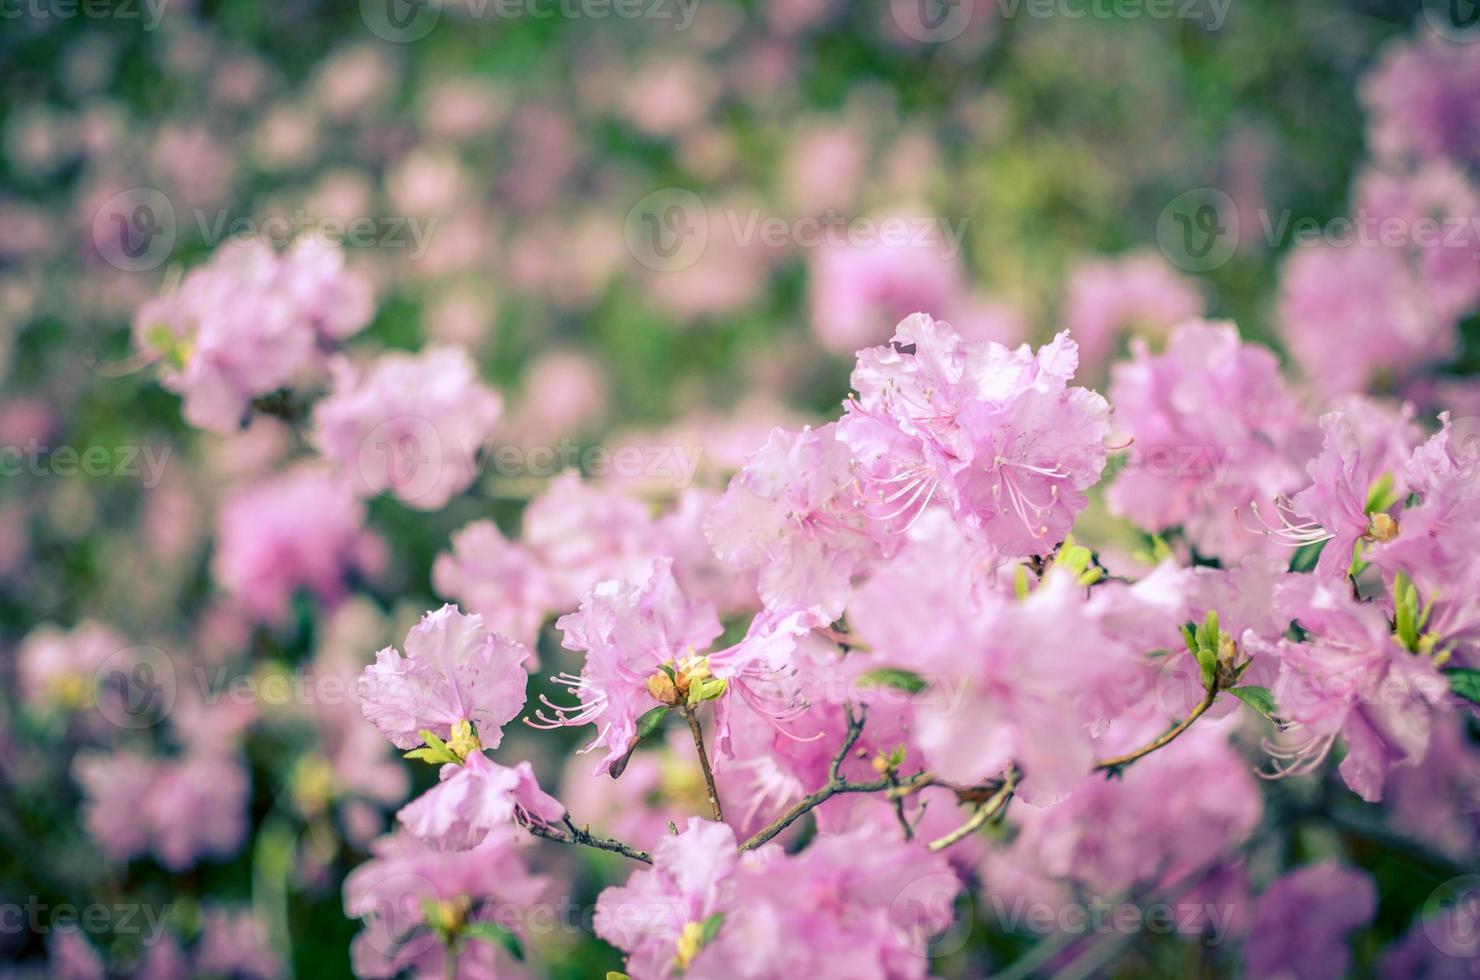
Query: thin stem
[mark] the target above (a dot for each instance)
(897, 799)
(1121, 761)
(698, 734)
(984, 812)
(585, 838)
(837, 785)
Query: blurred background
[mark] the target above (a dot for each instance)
(641, 217)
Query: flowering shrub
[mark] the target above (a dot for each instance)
(1088, 627)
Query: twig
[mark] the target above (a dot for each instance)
(898, 800)
(986, 811)
(698, 733)
(1121, 761)
(587, 839)
(836, 785)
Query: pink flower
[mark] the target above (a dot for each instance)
(1364, 443)
(498, 580)
(995, 434)
(454, 671)
(793, 515)
(1215, 430)
(234, 943)
(1421, 102)
(1116, 836)
(475, 797)
(584, 534)
(1353, 680)
(858, 291)
(61, 668)
(334, 301)
(657, 918)
(406, 881)
(411, 424)
(228, 334)
(179, 809)
(1303, 920)
(1008, 685)
(627, 630)
(1135, 295)
(858, 904)
(1358, 316)
(298, 529)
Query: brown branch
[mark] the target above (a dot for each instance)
(585, 838)
(698, 733)
(985, 811)
(1121, 761)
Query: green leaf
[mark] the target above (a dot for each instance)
(710, 927)
(651, 719)
(1465, 681)
(1257, 698)
(614, 975)
(709, 688)
(496, 935)
(1020, 582)
(1381, 495)
(1305, 557)
(894, 677)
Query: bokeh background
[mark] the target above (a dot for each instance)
(579, 194)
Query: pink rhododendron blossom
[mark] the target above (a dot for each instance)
(1303, 920)
(247, 323)
(1214, 431)
(1353, 680)
(627, 630)
(407, 883)
(1365, 451)
(301, 529)
(497, 579)
(1139, 295)
(583, 534)
(794, 515)
(454, 671)
(408, 424)
(180, 810)
(475, 797)
(995, 434)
